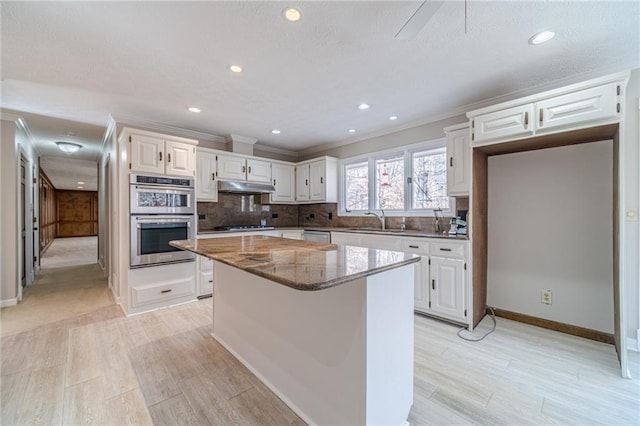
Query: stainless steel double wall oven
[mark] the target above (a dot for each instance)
(162, 209)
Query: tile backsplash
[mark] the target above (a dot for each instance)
(237, 209)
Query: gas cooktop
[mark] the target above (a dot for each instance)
(240, 227)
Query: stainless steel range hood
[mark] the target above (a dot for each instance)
(245, 187)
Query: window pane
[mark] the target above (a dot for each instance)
(390, 183)
(357, 186)
(430, 180)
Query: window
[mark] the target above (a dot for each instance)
(411, 181)
(429, 180)
(356, 179)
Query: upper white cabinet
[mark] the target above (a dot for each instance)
(242, 168)
(509, 123)
(302, 182)
(283, 178)
(597, 103)
(317, 180)
(592, 103)
(206, 186)
(150, 154)
(458, 160)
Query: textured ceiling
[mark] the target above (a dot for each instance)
(81, 61)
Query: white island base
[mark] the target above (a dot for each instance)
(342, 355)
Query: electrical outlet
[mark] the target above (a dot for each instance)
(547, 297)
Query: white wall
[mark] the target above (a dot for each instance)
(550, 227)
(8, 214)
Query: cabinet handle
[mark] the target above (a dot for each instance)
(213, 176)
(526, 119)
(161, 156)
(541, 115)
(450, 161)
(414, 247)
(211, 281)
(445, 249)
(244, 169)
(165, 291)
(249, 169)
(321, 179)
(433, 284)
(169, 158)
(274, 182)
(306, 182)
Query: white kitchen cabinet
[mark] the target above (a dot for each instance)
(506, 124)
(459, 160)
(235, 167)
(284, 180)
(302, 182)
(206, 185)
(421, 286)
(294, 234)
(317, 180)
(448, 288)
(589, 105)
(156, 155)
(205, 276)
(583, 105)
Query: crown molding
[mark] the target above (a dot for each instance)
(166, 128)
(22, 124)
(281, 151)
(239, 138)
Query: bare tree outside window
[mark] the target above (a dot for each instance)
(389, 185)
(430, 180)
(357, 186)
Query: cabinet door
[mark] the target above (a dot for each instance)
(284, 179)
(595, 104)
(294, 235)
(147, 154)
(206, 185)
(258, 171)
(181, 159)
(302, 182)
(447, 293)
(317, 181)
(421, 286)
(231, 167)
(205, 285)
(459, 162)
(505, 124)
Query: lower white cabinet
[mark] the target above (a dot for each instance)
(205, 276)
(441, 277)
(448, 288)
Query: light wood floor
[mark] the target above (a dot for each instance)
(164, 368)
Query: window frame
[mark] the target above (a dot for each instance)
(406, 152)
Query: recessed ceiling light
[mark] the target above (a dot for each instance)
(68, 147)
(362, 107)
(194, 109)
(541, 37)
(235, 68)
(351, 130)
(80, 183)
(275, 131)
(292, 14)
(393, 117)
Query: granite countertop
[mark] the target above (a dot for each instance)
(375, 231)
(302, 265)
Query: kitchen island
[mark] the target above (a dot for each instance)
(329, 328)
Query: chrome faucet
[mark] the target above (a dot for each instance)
(380, 217)
(438, 227)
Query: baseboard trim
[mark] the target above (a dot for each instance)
(574, 330)
(8, 302)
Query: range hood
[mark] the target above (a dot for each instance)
(245, 187)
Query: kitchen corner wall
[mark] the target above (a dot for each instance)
(237, 209)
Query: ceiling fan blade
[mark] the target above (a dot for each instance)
(419, 19)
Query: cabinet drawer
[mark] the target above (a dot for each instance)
(445, 249)
(146, 295)
(415, 245)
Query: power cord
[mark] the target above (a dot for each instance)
(493, 318)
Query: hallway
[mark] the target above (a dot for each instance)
(70, 283)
